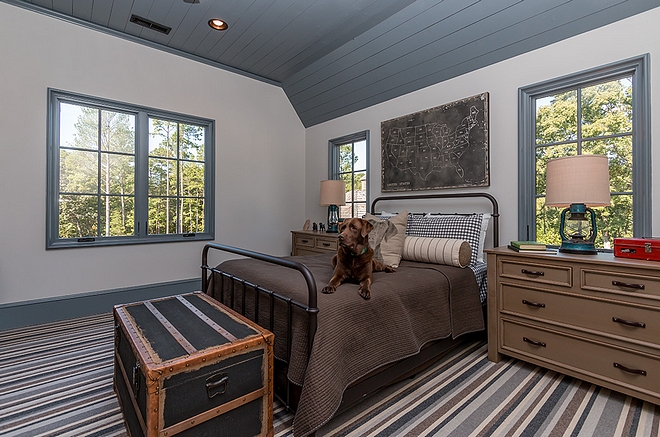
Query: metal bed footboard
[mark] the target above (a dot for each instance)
(238, 285)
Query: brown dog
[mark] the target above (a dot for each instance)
(355, 259)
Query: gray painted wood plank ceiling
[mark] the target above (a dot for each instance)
(334, 57)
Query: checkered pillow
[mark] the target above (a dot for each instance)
(463, 227)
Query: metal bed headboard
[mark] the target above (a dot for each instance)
(495, 210)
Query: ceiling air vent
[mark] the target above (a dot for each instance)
(150, 24)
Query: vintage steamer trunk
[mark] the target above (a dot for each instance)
(638, 248)
(188, 366)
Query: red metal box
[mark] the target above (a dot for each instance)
(638, 248)
(188, 366)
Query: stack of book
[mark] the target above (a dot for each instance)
(530, 246)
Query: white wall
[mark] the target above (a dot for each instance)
(624, 39)
(259, 154)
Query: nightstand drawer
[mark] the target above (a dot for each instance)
(326, 244)
(628, 284)
(304, 241)
(620, 366)
(300, 251)
(609, 317)
(561, 275)
(312, 242)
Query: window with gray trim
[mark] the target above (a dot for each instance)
(604, 110)
(349, 160)
(123, 174)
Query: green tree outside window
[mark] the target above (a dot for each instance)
(120, 173)
(349, 155)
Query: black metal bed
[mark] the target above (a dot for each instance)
(240, 290)
(242, 286)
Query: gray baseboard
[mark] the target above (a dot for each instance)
(34, 312)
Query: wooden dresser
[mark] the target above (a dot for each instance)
(594, 317)
(312, 243)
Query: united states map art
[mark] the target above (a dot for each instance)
(441, 147)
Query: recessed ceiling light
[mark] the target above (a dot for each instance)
(218, 24)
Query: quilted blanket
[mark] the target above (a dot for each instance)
(416, 304)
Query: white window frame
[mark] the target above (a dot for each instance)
(638, 68)
(142, 116)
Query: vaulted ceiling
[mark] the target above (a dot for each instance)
(333, 57)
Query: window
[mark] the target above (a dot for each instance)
(349, 160)
(600, 111)
(120, 174)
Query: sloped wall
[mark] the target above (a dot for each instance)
(259, 154)
(621, 40)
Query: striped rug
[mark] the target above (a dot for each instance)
(56, 380)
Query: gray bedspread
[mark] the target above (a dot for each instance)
(416, 304)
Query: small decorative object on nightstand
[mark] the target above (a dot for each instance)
(596, 318)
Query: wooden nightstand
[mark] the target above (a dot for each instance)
(594, 317)
(312, 243)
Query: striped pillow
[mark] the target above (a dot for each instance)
(448, 251)
(470, 227)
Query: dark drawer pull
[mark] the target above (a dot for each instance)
(304, 241)
(628, 285)
(629, 370)
(533, 304)
(216, 385)
(326, 244)
(532, 272)
(535, 343)
(629, 323)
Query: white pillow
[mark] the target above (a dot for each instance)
(448, 251)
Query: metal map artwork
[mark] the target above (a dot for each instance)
(441, 147)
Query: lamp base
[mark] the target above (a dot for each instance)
(333, 219)
(579, 247)
(581, 220)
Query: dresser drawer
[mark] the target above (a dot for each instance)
(621, 283)
(615, 365)
(609, 317)
(561, 275)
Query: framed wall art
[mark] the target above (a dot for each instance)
(441, 147)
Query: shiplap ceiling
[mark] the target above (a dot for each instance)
(333, 57)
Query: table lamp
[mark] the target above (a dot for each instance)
(576, 183)
(333, 193)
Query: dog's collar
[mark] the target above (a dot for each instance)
(361, 253)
